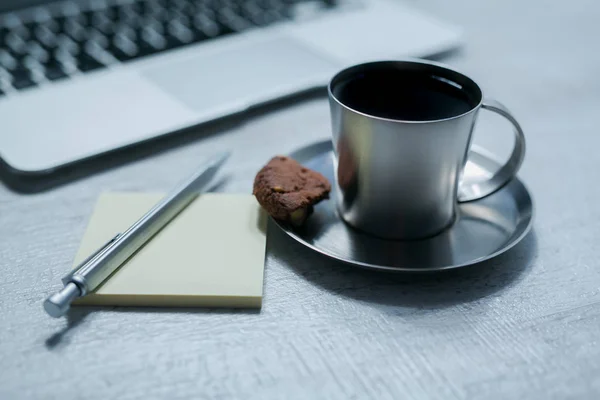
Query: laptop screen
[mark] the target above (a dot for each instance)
(8, 5)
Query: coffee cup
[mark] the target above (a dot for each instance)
(401, 136)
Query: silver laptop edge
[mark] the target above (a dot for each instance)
(61, 122)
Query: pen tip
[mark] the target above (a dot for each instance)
(58, 304)
(53, 309)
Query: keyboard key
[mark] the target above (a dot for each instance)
(266, 18)
(102, 23)
(164, 3)
(151, 23)
(155, 10)
(126, 31)
(23, 31)
(75, 30)
(54, 70)
(5, 79)
(123, 48)
(178, 33)
(29, 61)
(186, 7)
(67, 45)
(41, 14)
(129, 8)
(251, 8)
(69, 64)
(127, 16)
(22, 79)
(228, 19)
(7, 61)
(175, 14)
(96, 5)
(205, 12)
(76, 38)
(52, 25)
(19, 57)
(45, 36)
(97, 38)
(137, 6)
(15, 43)
(11, 21)
(88, 16)
(87, 62)
(272, 4)
(112, 13)
(150, 42)
(93, 47)
(180, 4)
(37, 52)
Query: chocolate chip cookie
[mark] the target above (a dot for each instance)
(288, 191)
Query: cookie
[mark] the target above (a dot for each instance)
(288, 191)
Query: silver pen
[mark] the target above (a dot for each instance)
(88, 275)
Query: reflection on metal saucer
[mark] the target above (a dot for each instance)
(483, 229)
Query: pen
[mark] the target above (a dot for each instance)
(88, 275)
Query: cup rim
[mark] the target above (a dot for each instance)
(353, 68)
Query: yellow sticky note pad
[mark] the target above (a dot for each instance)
(211, 255)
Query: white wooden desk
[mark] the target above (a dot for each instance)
(523, 326)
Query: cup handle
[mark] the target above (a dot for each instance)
(478, 190)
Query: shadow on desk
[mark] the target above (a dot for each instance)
(418, 290)
(77, 315)
(74, 319)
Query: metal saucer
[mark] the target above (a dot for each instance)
(482, 230)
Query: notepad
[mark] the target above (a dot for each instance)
(211, 255)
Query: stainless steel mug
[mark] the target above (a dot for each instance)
(400, 149)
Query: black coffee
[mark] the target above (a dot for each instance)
(408, 95)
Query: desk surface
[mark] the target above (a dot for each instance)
(525, 325)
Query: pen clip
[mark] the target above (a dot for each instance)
(67, 278)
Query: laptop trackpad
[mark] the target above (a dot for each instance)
(239, 75)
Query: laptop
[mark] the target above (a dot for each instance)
(82, 78)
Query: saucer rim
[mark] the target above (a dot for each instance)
(385, 268)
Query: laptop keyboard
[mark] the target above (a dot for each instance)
(68, 39)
